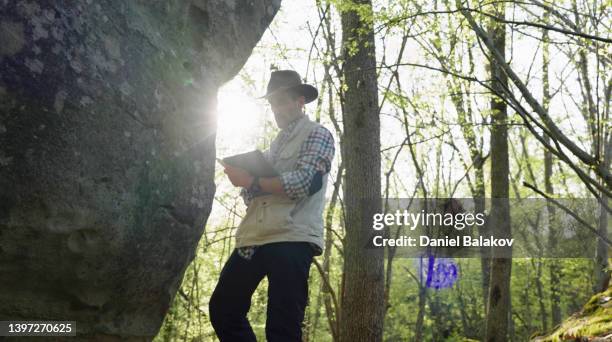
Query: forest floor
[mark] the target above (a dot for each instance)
(592, 323)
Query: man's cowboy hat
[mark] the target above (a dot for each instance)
(289, 80)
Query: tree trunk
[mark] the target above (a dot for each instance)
(498, 311)
(602, 269)
(548, 164)
(362, 309)
(420, 319)
(540, 292)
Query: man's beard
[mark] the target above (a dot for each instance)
(283, 119)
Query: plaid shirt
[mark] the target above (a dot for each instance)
(314, 161)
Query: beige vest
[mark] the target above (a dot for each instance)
(276, 218)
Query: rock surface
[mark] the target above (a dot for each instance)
(107, 152)
(593, 323)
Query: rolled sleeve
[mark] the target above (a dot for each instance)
(314, 161)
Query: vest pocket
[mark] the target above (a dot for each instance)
(276, 216)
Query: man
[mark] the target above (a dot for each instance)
(283, 227)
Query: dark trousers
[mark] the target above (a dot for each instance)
(287, 265)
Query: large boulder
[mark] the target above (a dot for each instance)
(107, 152)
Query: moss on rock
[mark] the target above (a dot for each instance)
(592, 323)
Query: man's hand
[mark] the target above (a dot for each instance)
(238, 176)
(241, 177)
